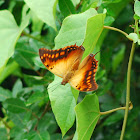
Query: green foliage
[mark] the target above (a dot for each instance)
(34, 105)
(9, 30)
(66, 6)
(73, 29)
(87, 115)
(134, 37)
(45, 10)
(137, 7)
(14, 105)
(63, 103)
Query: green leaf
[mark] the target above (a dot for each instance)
(37, 96)
(75, 2)
(111, 1)
(48, 123)
(136, 17)
(138, 41)
(17, 88)
(44, 9)
(42, 136)
(9, 34)
(3, 134)
(57, 136)
(73, 29)
(94, 29)
(89, 4)
(75, 136)
(20, 120)
(8, 70)
(37, 80)
(16, 132)
(87, 115)
(66, 7)
(117, 116)
(118, 57)
(133, 36)
(14, 105)
(109, 20)
(37, 24)
(4, 94)
(38, 136)
(25, 54)
(63, 103)
(137, 7)
(1, 2)
(38, 62)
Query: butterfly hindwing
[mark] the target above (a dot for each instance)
(59, 61)
(84, 77)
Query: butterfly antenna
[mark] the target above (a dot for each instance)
(96, 53)
(55, 87)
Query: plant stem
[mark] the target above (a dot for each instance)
(118, 30)
(116, 109)
(128, 90)
(137, 28)
(5, 123)
(30, 36)
(44, 112)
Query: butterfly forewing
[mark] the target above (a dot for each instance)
(60, 61)
(84, 77)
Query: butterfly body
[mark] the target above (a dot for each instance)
(65, 63)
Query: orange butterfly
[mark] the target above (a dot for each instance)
(65, 63)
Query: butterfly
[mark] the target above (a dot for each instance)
(65, 63)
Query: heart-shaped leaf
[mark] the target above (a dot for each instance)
(63, 103)
(9, 34)
(87, 115)
(73, 29)
(44, 9)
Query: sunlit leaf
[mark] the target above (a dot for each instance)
(44, 9)
(133, 36)
(17, 88)
(137, 7)
(8, 70)
(9, 34)
(93, 31)
(63, 103)
(73, 29)
(87, 115)
(89, 4)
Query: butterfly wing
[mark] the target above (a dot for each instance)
(59, 61)
(84, 77)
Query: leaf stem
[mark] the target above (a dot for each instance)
(44, 112)
(27, 109)
(128, 90)
(5, 123)
(137, 28)
(33, 37)
(118, 30)
(130, 106)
